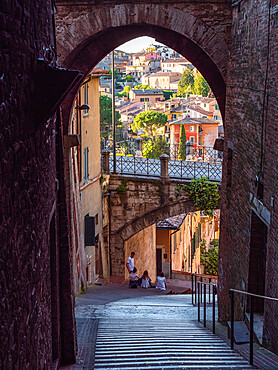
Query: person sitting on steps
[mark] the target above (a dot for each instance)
(161, 282)
(146, 280)
(134, 279)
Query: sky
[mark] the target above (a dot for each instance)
(138, 44)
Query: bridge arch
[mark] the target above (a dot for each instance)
(86, 33)
(145, 202)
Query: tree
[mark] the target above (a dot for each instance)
(140, 87)
(182, 145)
(201, 87)
(129, 78)
(106, 115)
(210, 258)
(125, 92)
(186, 82)
(149, 120)
(155, 149)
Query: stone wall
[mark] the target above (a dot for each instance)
(143, 202)
(251, 149)
(34, 275)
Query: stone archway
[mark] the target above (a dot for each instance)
(145, 202)
(200, 32)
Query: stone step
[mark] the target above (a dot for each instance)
(162, 345)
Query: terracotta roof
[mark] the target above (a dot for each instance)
(98, 70)
(175, 60)
(193, 121)
(162, 74)
(200, 110)
(171, 223)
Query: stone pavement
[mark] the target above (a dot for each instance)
(116, 302)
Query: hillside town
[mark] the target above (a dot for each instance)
(148, 84)
(138, 177)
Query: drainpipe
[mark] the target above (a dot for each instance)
(171, 274)
(80, 151)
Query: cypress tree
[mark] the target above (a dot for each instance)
(182, 144)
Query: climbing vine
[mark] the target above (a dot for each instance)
(121, 189)
(204, 194)
(210, 258)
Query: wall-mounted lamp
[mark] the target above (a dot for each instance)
(83, 107)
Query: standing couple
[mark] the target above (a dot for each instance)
(145, 280)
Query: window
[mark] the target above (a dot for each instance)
(175, 242)
(141, 99)
(174, 116)
(215, 117)
(192, 139)
(85, 90)
(205, 104)
(96, 218)
(216, 107)
(200, 140)
(191, 128)
(86, 164)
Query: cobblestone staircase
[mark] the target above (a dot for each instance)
(161, 344)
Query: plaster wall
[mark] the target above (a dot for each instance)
(144, 246)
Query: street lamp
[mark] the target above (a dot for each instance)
(83, 107)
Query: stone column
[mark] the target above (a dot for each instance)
(164, 173)
(189, 150)
(105, 160)
(139, 146)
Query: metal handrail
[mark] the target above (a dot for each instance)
(194, 284)
(214, 292)
(251, 295)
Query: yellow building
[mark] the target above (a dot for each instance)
(178, 241)
(90, 175)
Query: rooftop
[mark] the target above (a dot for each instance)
(166, 74)
(147, 91)
(175, 60)
(193, 121)
(171, 223)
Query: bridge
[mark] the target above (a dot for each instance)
(144, 191)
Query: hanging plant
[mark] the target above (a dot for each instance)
(204, 194)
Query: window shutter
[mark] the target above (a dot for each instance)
(89, 230)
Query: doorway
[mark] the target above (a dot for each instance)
(158, 261)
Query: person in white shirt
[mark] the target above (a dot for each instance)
(146, 280)
(161, 282)
(130, 262)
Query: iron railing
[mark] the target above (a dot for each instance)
(214, 293)
(137, 166)
(251, 329)
(180, 170)
(202, 278)
(194, 170)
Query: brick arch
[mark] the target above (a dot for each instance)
(85, 34)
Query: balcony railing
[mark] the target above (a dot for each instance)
(162, 167)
